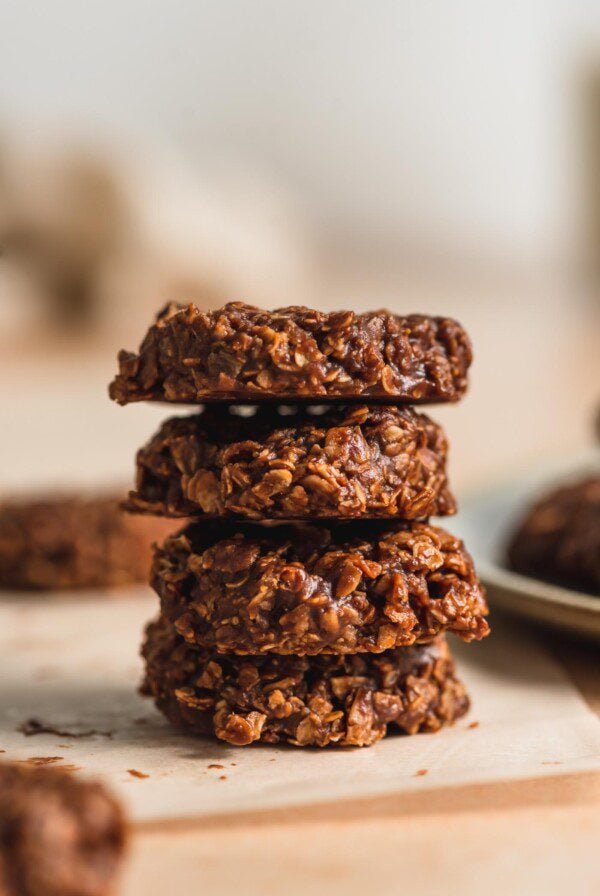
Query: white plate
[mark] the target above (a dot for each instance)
(486, 522)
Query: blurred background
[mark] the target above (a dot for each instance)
(430, 157)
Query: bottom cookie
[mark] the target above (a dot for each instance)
(305, 701)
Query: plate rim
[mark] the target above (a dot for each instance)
(517, 592)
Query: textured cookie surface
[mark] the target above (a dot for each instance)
(305, 701)
(61, 542)
(310, 589)
(360, 461)
(243, 353)
(58, 836)
(559, 539)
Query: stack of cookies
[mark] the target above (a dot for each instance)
(307, 602)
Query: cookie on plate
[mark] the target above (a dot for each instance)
(559, 538)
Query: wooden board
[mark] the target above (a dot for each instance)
(74, 664)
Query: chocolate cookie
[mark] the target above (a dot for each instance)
(61, 542)
(306, 701)
(315, 589)
(559, 539)
(241, 353)
(58, 836)
(356, 462)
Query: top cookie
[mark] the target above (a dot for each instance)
(244, 354)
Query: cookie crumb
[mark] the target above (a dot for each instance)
(222, 777)
(135, 774)
(41, 760)
(34, 726)
(473, 725)
(421, 772)
(215, 765)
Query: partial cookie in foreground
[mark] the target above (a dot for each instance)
(62, 541)
(305, 701)
(361, 461)
(242, 353)
(559, 539)
(59, 836)
(369, 586)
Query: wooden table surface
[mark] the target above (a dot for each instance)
(532, 837)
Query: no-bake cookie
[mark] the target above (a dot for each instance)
(309, 589)
(361, 461)
(242, 353)
(559, 539)
(59, 836)
(305, 701)
(61, 542)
